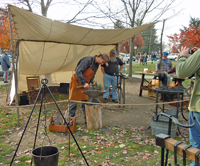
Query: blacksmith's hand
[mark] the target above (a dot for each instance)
(86, 85)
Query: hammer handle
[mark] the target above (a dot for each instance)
(80, 87)
(83, 86)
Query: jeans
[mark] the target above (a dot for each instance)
(145, 61)
(107, 80)
(73, 107)
(123, 71)
(5, 75)
(194, 132)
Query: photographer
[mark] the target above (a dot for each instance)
(188, 65)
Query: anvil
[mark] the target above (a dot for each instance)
(93, 95)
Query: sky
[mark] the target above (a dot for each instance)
(187, 8)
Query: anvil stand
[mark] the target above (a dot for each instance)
(121, 91)
(44, 84)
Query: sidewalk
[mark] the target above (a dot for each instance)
(2, 83)
(139, 76)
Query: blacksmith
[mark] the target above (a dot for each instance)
(84, 76)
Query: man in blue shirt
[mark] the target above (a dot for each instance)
(5, 64)
(166, 65)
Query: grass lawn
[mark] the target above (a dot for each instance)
(118, 146)
(136, 67)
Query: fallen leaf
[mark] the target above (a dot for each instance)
(121, 145)
(125, 152)
(28, 161)
(145, 157)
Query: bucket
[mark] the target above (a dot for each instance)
(45, 156)
(162, 125)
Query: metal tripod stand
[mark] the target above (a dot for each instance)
(44, 85)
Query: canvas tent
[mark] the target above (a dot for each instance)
(51, 49)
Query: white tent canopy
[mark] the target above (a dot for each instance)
(51, 49)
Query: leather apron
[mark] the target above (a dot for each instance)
(77, 94)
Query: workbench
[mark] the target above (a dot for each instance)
(142, 86)
(145, 87)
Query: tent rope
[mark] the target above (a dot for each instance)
(100, 104)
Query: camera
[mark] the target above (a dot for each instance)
(191, 51)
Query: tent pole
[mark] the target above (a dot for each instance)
(161, 51)
(14, 67)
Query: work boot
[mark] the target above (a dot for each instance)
(115, 101)
(105, 100)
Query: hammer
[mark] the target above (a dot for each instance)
(78, 87)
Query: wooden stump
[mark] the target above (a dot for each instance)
(93, 116)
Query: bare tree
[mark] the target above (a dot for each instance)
(44, 5)
(135, 13)
(104, 13)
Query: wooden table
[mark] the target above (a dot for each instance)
(142, 87)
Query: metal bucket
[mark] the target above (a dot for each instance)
(162, 125)
(45, 156)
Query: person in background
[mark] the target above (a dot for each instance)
(152, 57)
(145, 58)
(5, 63)
(84, 76)
(166, 65)
(177, 81)
(109, 77)
(141, 58)
(137, 58)
(122, 58)
(188, 65)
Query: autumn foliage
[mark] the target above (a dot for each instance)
(5, 39)
(138, 41)
(188, 37)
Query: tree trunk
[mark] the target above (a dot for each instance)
(93, 116)
(131, 56)
(161, 53)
